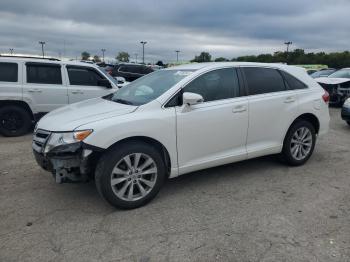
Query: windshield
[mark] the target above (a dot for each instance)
(149, 87)
(343, 73)
(322, 73)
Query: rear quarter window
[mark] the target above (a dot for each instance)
(291, 82)
(8, 72)
(44, 73)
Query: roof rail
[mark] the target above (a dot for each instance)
(31, 57)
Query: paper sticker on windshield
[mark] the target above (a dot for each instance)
(183, 73)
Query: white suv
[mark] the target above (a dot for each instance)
(179, 120)
(31, 87)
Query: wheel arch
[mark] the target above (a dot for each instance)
(150, 141)
(18, 103)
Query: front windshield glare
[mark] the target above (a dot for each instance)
(149, 87)
(344, 73)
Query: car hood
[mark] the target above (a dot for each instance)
(69, 117)
(331, 80)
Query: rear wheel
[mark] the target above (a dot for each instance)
(130, 175)
(14, 121)
(299, 143)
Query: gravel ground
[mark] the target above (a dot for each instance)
(257, 210)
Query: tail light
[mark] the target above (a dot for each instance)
(325, 97)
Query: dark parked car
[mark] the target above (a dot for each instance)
(130, 71)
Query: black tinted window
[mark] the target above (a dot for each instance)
(8, 72)
(263, 80)
(215, 85)
(146, 70)
(292, 82)
(44, 74)
(83, 76)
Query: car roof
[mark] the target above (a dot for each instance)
(213, 65)
(46, 61)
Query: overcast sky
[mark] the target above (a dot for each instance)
(226, 28)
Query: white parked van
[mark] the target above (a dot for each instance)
(31, 87)
(179, 120)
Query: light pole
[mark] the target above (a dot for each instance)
(11, 51)
(103, 54)
(136, 57)
(177, 55)
(288, 44)
(143, 51)
(42, 47)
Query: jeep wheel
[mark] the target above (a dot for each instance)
(14, 121)
(130, 175)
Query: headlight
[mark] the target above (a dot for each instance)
(65, 138)
(347, 103)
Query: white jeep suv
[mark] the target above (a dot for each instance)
(31, 87)
(179, 120)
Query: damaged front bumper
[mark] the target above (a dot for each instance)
(68, 163)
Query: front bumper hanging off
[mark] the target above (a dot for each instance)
(68, 163)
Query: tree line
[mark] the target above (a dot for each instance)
(295, 57)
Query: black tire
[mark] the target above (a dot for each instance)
(348, 122)
(286, 154)
(14, 121)
(110, 159)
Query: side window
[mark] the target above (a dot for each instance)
(263, 80)
(292, 82)
(8, 72)
(44, 73)
(146, 70)
(215, 85)
(83, 76)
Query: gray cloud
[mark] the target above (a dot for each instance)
(223, 28)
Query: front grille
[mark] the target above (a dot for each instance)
(40, 138)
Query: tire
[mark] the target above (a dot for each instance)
(348, 122)
(114, 160)
(291, 154)
(14, 121)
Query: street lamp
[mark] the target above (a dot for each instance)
(177, 55)
(42, 47)
(288, 44)
(11, 51)
(136, 57)
(103, 54)
(143, 51)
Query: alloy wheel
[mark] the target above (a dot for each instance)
(301, 143)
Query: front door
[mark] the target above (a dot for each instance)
(215, 131)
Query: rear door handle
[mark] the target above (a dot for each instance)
(77, 92)
(34, 90)
(289, 99)
(239, 109)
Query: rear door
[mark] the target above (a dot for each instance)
(272, 109)
(44, 86)
(83, 83)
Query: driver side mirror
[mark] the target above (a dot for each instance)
(104, 82)
(191, 99)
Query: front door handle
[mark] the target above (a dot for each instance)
(289, 99)
(239, 109)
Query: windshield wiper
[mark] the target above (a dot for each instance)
(122, 101)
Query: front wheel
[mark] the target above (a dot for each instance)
(130, 175)
(299, 143)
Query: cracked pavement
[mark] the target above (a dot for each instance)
(257, 210)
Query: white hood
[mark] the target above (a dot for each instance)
(69, 117)
(331, 80)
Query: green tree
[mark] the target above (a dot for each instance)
(221, 59)
(123, 57)
(203, 57)
(85, 55)
(97, 59)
